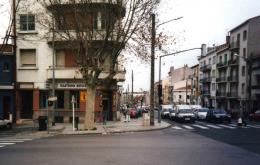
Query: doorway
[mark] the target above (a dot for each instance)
(7, 106)
(107, 106)
(26, 104)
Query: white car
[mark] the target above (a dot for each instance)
(184, 113)
(201, 113)
(6, 123)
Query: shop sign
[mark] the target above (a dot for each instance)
(71, 86)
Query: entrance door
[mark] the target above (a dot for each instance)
(26, 104)
(107, 106)
(7, 106)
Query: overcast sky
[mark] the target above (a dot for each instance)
(204, 21)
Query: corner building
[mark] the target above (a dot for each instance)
(36, 46)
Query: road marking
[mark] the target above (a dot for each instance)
(187, 127)
(1, 146)
(213, 126)
(6, 143)
(10, 141)
(226, 126)
(252, 126)
(176, 127)
(15, 139)
(199, 126)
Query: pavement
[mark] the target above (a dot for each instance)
(135, 125)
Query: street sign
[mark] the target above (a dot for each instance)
(52, 99)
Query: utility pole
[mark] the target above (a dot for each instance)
(132, 95)
(14, 57)
(152, 71)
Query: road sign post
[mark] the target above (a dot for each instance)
(73, 113)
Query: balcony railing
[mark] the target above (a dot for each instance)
(205, 92)
(221, 79)
(232, 94)
(205, 80)
(232, 79)
(221, 94)
(233, 62)
(205, 68)
(235, 45)
(256, 86)
(222, 64)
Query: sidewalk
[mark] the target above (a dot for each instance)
(135, 125)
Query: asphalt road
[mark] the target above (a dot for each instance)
(170, 146)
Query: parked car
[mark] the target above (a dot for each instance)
(184, 113)
(218, 115)
(166, 111)
(255, 116)
(200, 113)
(6, 123)
(133, 112)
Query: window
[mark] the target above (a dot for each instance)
(243, 88)
(60, 99)
(243, 70)
(244, 35)
(213, 86)
(6, 67)
(213, 73)
(214, 59)
(95, 21)
(238, 37)
(209, 61)
(43, 99)
(244, 52)
(188, 96)
(179, 96)
(28, 57)
(27, 22)
(220, 59)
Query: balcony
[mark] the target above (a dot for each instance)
(232, 79)
(232, 94)
(222, 64)
(257, 86)
(205, 68)
(233, 62)
(221, 79)
(205, 80)
(205, 92)
(221, 94)
(235, 45)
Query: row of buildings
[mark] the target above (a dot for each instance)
(37, 59)
(227, 76)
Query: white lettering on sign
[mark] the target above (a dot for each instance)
(72, 85)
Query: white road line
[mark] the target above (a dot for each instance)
(199, 126)
(10, 141)
(187, 127)
(252, 126)
(213, 126)
(15, 139)
(176, 127)
(1, 146)
(6, 143)
(226, 126)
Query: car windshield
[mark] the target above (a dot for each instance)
(219, 111)
(185, 110)
(203, 110)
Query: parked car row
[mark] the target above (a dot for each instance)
(190, 113)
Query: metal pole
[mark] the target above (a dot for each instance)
(152, 71)
(186, 90)
(53, 72)
(160, 106)
(48, 130)
(132, 94)
(73, 113)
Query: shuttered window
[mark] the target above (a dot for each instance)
(28, 57)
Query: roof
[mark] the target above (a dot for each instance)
(244, 23)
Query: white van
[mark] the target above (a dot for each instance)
(184, 113)
(166, 110)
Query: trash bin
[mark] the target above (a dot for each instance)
(42, 123)
(146, 119)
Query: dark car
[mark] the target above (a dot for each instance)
(255, 116)
(218, 115)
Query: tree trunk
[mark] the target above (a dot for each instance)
(90, 106)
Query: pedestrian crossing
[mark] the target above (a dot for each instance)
(207, 126)
(10, 141)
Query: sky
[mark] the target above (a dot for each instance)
(204, 21)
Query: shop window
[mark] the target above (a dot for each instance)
(60, 97)
(28, 57)
(27, 22)
(43, 99)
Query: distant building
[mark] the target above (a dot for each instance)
(195, 90)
